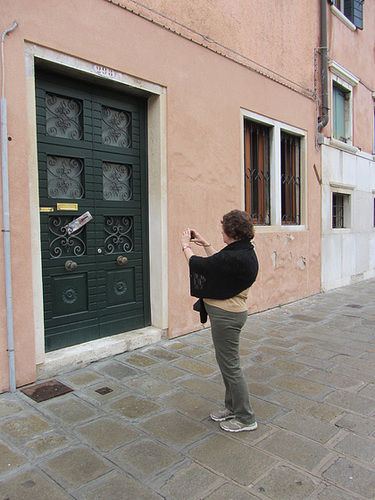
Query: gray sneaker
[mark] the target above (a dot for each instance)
(237, 426)
(221, 415)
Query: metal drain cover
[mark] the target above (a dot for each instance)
(46, 390)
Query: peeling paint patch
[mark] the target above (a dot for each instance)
(301, 262)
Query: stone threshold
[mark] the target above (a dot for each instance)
(79, 356)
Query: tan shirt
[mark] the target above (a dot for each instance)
(234, 304)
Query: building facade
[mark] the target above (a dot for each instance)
(146, 119)
(347, 147)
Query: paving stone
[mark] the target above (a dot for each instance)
(352, 476)
(295, 449)
(287, 366)
(70, 410)
(145, 457)
(307, 426)
(231, 458)
(357, 447)
(160, 353)
(299, 386)
(209, 358)
(106, 433)
(353, 372)
(278, 342)
(116, 370)
(7, 409)
(356, 423)
(82, 378)
(106, 397)
(305, 317)
(350, 401)
(231, 491)
(273, 351)
(310, 350)
(9, 459)
(192, 482)
(150, 385)
(168, 373)
(190, 404)
(47, 443)
(311, 361)
(134, 407)
(332, 493)
(76, 466)
(259, 373)
(174, 428)
(204, 387)
(284, 483)
(196, 367)
(31, 485)
(354, 362)
(332, 379)
(322, 411)
(25, 427)
(176, 345)
(114, 488)
(140, 360)
(368, 391)
(264, 411)
(260, 390)
(194, 351)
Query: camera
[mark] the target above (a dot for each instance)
(192, 235)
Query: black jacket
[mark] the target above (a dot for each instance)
(224, 274)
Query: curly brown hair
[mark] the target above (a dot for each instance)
(238, 225)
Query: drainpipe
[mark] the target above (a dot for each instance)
(324, 66)
(6, 228)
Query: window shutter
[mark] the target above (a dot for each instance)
(353, 10)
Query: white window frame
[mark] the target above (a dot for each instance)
(276, 127)
(347, 191)
(343, 78)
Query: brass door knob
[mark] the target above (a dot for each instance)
(70, 265)
(121, 260)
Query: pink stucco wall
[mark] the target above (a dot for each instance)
(205, 94)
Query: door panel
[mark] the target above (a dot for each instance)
(91, 154)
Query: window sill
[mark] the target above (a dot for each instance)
(344, 146)
(279, 229)
(343, 18)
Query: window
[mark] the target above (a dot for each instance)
(340, 210)
(257, 172)
(343, 83)
(274, 167)
(290, 179)
(340, 98)
(352, 9)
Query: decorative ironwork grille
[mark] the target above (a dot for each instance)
(338, 210)
(65, 177)
(117, 182)
(116, 127)
(63, 117)
(60, 243)
(290, 179)
(119, 234)
(257, 172)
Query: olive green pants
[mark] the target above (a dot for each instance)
(226, 328)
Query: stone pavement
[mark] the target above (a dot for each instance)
(310, 367)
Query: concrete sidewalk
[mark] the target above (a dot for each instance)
(146, 434)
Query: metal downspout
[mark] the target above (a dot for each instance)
(6, 226)
(324, 66)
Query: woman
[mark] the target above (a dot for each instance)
(221, 281)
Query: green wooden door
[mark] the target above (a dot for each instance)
(91, 157)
